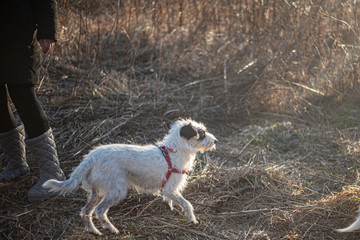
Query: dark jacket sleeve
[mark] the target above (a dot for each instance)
(46, 18)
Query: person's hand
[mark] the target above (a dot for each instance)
(46, 45)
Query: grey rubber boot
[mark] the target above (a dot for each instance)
(43, 149)
(13, 146)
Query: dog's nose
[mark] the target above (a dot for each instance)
(215, 141)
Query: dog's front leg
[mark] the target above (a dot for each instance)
(185, 204)
(169, 201)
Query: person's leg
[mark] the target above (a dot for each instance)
(41, 140)
(29, 108)
(11, 141)
(7, 120)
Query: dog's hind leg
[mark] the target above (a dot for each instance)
(111, 199)
(185, 204)
(88, 210)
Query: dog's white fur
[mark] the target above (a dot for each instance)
(108, 171)
(353, 227)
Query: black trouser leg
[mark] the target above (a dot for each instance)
(29, 108)
(7, 120)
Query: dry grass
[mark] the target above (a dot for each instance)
(271, 179)
(275, 81)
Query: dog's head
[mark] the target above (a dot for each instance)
(195, 135)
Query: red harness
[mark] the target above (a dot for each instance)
(165, 152)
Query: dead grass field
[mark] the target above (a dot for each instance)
(272, 177)
(275, 81)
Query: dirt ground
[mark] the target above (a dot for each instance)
(271, 177)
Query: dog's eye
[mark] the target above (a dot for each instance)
(201, 134)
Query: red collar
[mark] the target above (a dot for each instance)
(165, 152)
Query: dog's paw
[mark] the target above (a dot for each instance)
(95, 231)
(171, 205)
(193, 220)
(114, 230)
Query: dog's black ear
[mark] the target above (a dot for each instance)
(188, 131)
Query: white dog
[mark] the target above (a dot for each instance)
(109, 170)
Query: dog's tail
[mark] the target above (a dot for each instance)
(70, 185)
(352, 227)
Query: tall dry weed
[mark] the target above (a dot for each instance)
(226, 56)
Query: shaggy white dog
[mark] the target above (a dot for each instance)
(108, 171)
